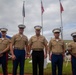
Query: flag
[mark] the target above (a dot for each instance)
(23, 11)
(61, 8)
(42, 8)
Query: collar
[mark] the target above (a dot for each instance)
(38, 36)
(55, 39)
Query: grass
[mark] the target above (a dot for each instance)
(67, 41)
(28, 67)
(47, 71)
(66, 69)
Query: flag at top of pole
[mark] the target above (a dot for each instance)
(61, 8)
(23, 10)
(42, 8)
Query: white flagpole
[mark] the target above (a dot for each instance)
(61, 26)
(23, 20)
(61, 22)
(42, 22)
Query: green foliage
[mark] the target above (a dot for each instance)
(28, 68)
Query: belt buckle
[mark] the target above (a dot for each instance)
(58, 54)
(38, 49)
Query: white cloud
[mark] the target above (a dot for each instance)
(11, 16)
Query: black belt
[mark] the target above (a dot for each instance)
(38, 49)
(56, 53)
(19, 48)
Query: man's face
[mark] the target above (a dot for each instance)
(56, 34)
(37, 31)
(3, 33)
(74, 38)
(21, 30)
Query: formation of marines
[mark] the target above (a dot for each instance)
(20, 47)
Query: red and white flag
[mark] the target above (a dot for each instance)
(42, 8)
(61, 8)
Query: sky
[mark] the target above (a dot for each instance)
(11, 16)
